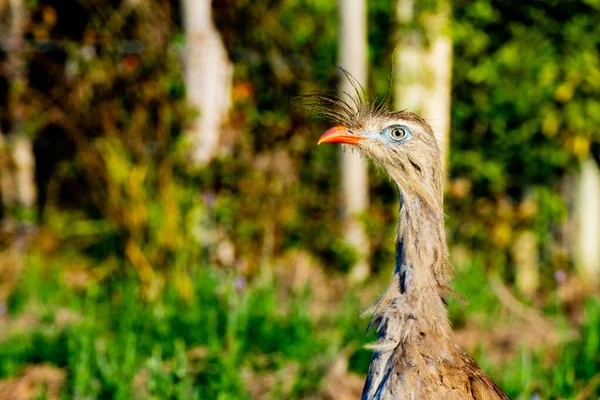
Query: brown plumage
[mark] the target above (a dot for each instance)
(415, 356)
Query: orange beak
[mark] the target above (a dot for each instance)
(339, 134)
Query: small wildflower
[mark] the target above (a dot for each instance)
(240, 283)
(560, 276)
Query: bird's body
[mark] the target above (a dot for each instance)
(415, 355)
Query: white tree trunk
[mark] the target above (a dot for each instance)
(408, 60)
(17, 169)
(437, 64)
(587, 222)
(355, 179)
(17, 177)
(423, 74)
(208, 74)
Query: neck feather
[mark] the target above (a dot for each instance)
(422, 270)
(421, 242)
(411, 318)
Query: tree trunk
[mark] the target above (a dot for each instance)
(525, 256)
(423, 74)
(408, 60)
(17, 168)
(437, 63)
(587, 222)
(355, 179)
(208, 74)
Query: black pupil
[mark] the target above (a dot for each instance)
(397, 132)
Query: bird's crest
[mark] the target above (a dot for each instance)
(348, 109)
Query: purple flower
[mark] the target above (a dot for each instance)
(209, 198)
(240, 283)
(560, 276)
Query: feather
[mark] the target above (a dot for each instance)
(352, 110)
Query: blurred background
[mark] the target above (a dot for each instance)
(169, 228)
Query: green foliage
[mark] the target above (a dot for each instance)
(115, 114)
(567, 370)
(522, 117)
(275, 160)
(526, 83)
(471, 282)
(120, 347)
(560, 372)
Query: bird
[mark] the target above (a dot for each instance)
(415, 355)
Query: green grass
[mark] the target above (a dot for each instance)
(547, 372)
(224, 340)
(117, 336)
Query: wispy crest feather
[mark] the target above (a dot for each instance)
(352, 110)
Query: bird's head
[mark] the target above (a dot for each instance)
(400, 142)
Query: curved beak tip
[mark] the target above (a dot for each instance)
(339, 134)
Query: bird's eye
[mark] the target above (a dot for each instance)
(398, 133)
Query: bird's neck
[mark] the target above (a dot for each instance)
(421, 243)
(422, 270)
(421, 275)
(411, 317)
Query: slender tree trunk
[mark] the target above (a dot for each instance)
(17, 168)
(587, 222)
(423, 74)
(525, 255)
(437, 64)
(208, 74)
(408, 59)
(355, 179)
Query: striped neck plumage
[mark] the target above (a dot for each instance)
(421, 238)
(412, 310)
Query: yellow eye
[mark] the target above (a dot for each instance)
(398, 133)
